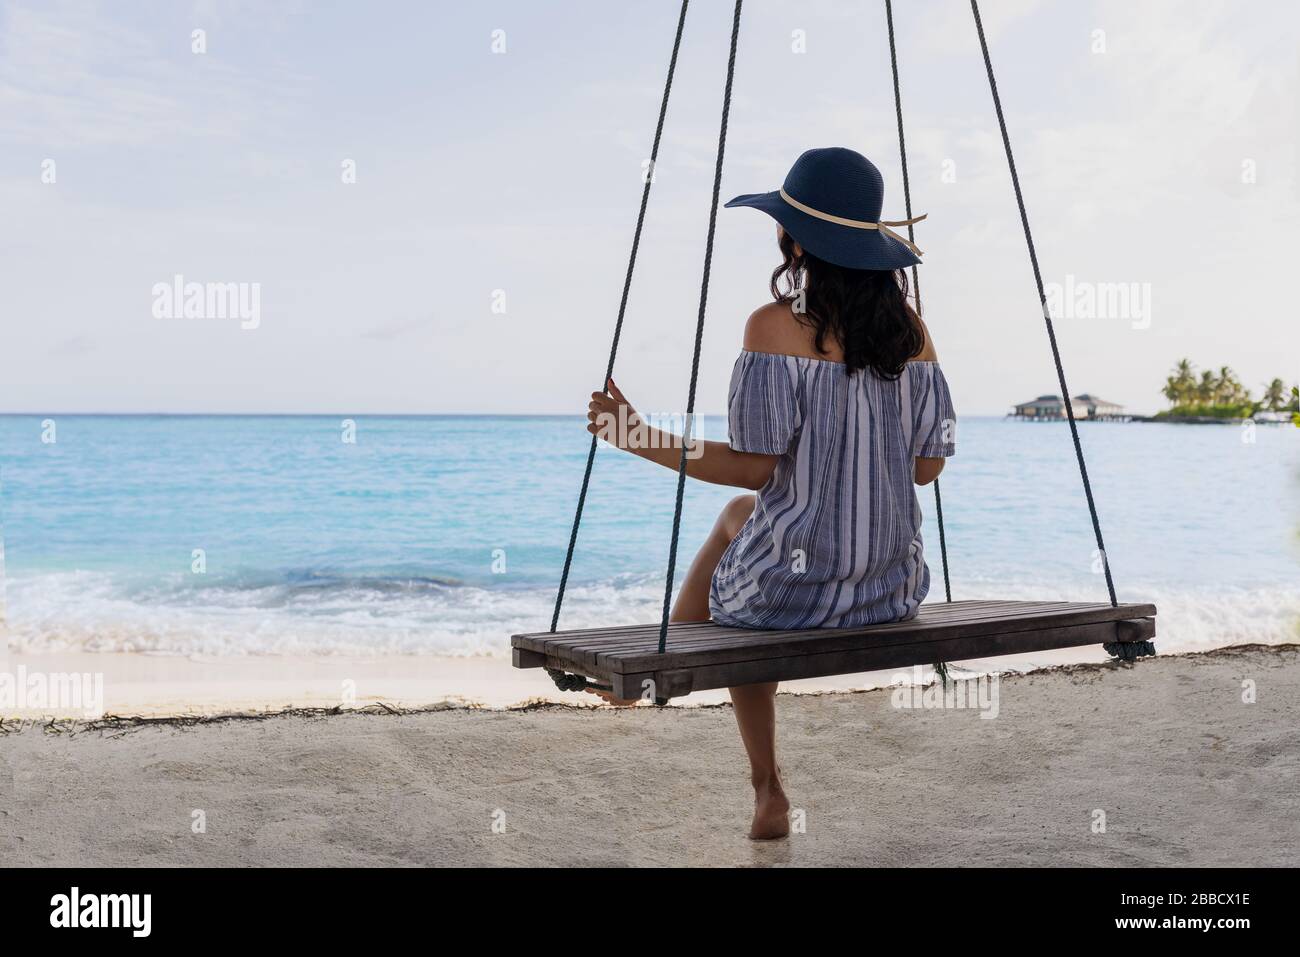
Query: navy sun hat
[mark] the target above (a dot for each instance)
(830, 204)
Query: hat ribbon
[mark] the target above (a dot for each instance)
(882, 226)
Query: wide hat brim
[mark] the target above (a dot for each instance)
(848, 246)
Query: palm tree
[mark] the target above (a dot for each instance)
(1172, 391)
(1205, 388)
(1224, 386)
(1185, 379)
(1180, 387)
(1239, 394)
(1274, 396)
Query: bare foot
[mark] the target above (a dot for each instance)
(608, 698)
(771, 812)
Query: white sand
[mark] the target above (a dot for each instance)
(136, 684)
(1185, 772)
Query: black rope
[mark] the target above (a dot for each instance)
(1042, 298)
(1130, 650)
(562, 681)
(916, 279)
(699, 330)
(943, 541)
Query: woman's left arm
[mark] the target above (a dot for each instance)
(612, 418)
(926, 469)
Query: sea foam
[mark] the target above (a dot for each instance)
(94, 611)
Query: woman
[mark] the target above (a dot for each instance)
(837, 409)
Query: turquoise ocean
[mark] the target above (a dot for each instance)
(234, 535)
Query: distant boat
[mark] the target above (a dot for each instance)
(1085, 406)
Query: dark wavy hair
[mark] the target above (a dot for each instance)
(865, 310)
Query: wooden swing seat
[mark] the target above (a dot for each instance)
(702, 655)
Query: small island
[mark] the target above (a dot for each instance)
(1216, 397)
(1194, 397)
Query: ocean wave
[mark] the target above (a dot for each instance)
(301, 614)
(1186, 619)
(320, 613)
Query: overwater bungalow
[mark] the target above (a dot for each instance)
(1052, 408)
(1099, 408)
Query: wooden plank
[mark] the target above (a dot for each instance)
(721, 636)
(931, 611)
(523, 658)
(678, 636)
(829, 640)
(645, 643)
(1141, 629)
(630, 687)
(539, 641)
(670, 683)
(858, 660)
(643, 639)
(704, 655)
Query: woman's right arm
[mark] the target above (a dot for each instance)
(714, 462)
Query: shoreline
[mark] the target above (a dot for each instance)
(1157, 419)
(171, 686)
(1158, 751)
(143, 689)
(570, 702)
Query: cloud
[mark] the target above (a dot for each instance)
(398, 329)
(952, 29)
(73, 346)
(73, 75)
(523, 172)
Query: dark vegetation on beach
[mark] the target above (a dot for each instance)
(1221, 395)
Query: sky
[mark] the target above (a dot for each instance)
(474, 262)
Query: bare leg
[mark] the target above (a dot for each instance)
(755, 705)
(693, 599)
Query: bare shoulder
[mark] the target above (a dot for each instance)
(927, 353)
(773, 327)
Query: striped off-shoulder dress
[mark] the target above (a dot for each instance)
(835, 537)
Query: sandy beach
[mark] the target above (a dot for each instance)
(183, 686)
(1184, 770)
